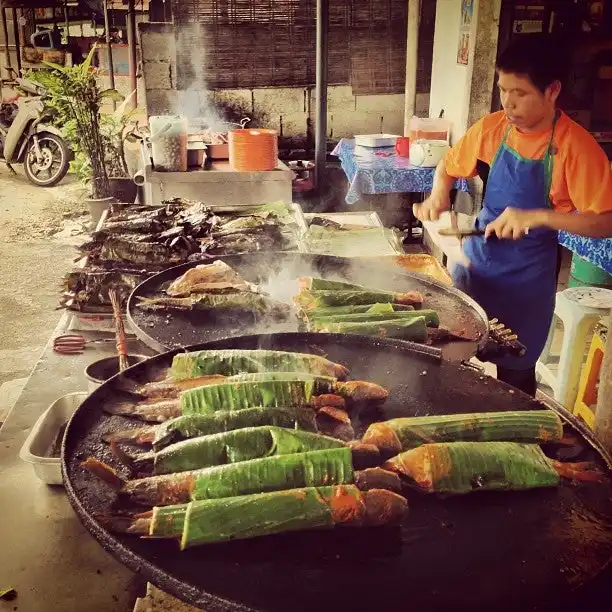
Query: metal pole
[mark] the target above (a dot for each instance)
(111, 71)
(17, 41)
(131, 38)
(322, 33)
(7, 51)
(412, 61)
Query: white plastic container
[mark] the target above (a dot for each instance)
(36, 449)
(427, 153)
(376, 140)
(169, 142)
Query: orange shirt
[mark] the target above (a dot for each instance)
(582, 176)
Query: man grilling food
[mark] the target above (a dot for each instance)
(544, 173)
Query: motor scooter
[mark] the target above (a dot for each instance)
(26, 137)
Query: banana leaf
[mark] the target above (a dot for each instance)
(194, 425)
(277, 473)
(168, 521)
(238, 445)
(431, 317)
(379, 307)
(322, 284)
(245, 300)
(250, 516)
(527, 426)
(462, 467)
(233, 361)
(414, 330)
(238, 396)
(310, 300)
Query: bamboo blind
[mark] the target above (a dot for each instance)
(258, 43)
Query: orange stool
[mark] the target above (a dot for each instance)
(586, 401)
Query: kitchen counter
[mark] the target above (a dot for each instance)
(47, 556)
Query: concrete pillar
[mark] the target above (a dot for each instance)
(412, 61)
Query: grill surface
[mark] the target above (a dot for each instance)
(277, 273)
(484, 551)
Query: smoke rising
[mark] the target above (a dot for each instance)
(195, 100)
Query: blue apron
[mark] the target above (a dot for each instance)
(515, 280)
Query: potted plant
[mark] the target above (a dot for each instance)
(97, 139)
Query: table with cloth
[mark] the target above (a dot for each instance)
(380, 171)
(597, 251)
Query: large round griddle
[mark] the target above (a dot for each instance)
(277, 273)
(485, 551)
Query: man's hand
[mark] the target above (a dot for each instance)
(432, 207)
(514, 223)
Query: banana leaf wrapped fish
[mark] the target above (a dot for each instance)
(414, 329)
(172, 389)
(206, 275)
(378, 308)
(527, 426)
(313, 284)
(251, 516)
(277, 473)
(243, 301)
(463, 467)
(310, 300)
(274, 389)
(431, 317)
(234, 361)
(194, 425)
(231, 447)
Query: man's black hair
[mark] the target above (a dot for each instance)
(544, 59)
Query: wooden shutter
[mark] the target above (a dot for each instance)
(271, 43)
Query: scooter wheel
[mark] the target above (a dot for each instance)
(55, 160)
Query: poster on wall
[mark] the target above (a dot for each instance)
(463, 52)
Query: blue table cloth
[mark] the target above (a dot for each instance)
(597, 251)
(370, 172)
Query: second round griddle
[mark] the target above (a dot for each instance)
(276, 273)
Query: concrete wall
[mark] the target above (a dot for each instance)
(289, 110)
(464, 92)
(450, 81)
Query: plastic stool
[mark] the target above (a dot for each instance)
(587, 391)
(579, 308)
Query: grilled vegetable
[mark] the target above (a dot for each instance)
(529, 426)
(315, 468)
(462, 467)
(233, 361)
(431, 317)
(230, 447)
(250, 516)
(309, 300)
(414, 329)
(242, 301)
(194, 425)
